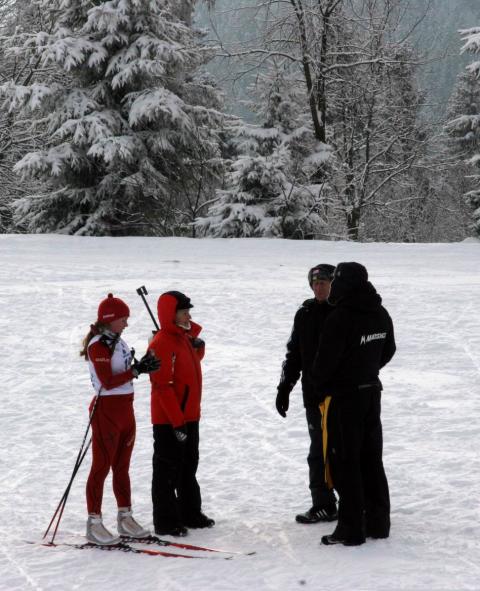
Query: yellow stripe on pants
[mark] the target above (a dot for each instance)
(323, 406)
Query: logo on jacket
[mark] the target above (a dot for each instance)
(364, 339)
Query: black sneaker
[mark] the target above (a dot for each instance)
(340, 536)
(199, 521)
(179, 531)
(318, 514)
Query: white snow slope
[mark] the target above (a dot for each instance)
(253, 469)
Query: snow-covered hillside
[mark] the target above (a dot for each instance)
(253, 469)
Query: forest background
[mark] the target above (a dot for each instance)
(303, 119)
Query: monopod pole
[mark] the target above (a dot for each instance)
(142, 292)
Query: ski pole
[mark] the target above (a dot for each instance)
(142, 292)
(80, 456)
(63, 502)
(65, 494)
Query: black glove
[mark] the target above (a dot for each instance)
(282, 402)
(197, 343)
(181, 434)
(147, 364)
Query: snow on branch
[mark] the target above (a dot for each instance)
(32, 97)
(159, 103)
(53, 161)
(127, 148)
(471, 39)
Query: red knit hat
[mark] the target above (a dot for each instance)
(111, 309)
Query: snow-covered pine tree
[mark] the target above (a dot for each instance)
(459, 142)
(128, 123)
(463, 115)
(269, 189)
(17, 18)
(465, 124)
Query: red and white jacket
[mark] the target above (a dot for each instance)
(177, 385)
(110, 370)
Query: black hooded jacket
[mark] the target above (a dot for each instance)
(301, 348)
(357, 340)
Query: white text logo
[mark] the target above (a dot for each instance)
(372, 337)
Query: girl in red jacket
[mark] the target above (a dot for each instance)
(113, 420)
(175, 408)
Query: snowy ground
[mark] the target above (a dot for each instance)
(253, 469)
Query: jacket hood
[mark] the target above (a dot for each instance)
(167, 311)
(348, 278)
(364, 297)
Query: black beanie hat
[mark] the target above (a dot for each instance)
(322, 271)
(183, 302)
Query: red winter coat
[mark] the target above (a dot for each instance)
(177, 385)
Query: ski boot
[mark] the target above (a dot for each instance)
(97, 533)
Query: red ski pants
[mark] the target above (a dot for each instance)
(113, 437)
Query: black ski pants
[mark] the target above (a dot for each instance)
(322, 496)
(176, 496)
(355, 454)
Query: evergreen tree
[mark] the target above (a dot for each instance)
(18, 19)
(464, 128)
(463, 115)
(269, 189)
(130, 121)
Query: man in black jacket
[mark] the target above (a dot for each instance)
(357, 340)
(301, 349)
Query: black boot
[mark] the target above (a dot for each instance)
(341, 535)
(178, 531)
(377, 534)
(318, 514)
(199, 521)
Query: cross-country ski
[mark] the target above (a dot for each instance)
(159, 542)
(128, 548)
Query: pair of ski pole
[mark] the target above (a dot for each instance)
(142, 291)
(78, 462)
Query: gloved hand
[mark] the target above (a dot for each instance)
(282, 402)
(180, 434)
(147, 364)
(197, 343)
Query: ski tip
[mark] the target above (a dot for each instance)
(39, 543)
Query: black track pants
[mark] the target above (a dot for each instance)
(355, 452)
(321, 495)
(175, 491)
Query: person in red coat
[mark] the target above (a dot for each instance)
(175, 409)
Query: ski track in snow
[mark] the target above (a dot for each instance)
(253, 468)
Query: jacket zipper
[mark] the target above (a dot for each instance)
(195, 360)
(185, 398)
